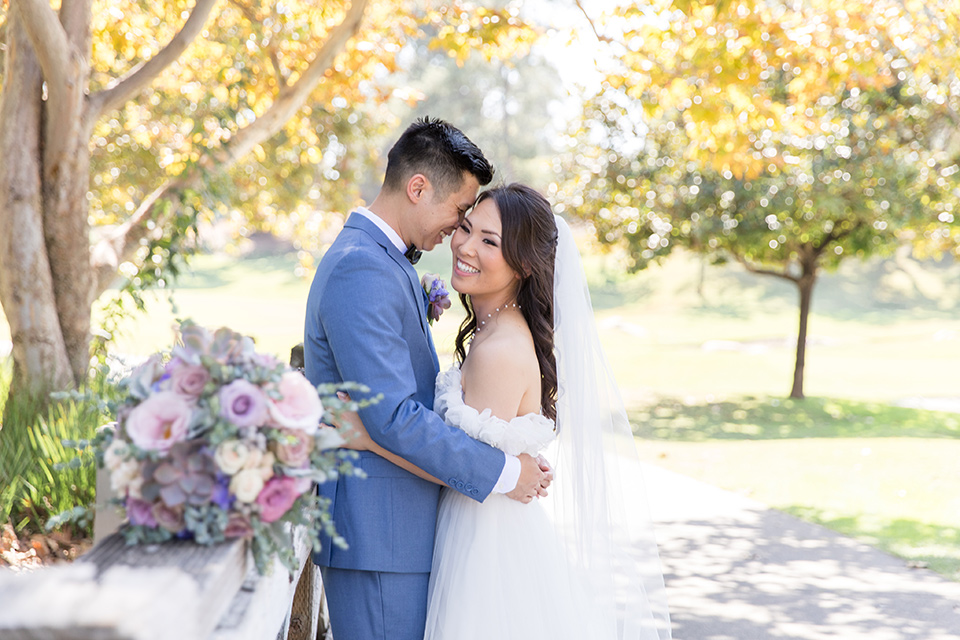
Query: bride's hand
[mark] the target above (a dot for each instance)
(351, 428)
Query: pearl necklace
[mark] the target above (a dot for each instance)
(496, 311)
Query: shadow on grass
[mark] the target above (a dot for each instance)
(764, 418)
(922, 544)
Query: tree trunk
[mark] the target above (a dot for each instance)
(66, 176)
(26, 282)
(49, 276)
(805, 285)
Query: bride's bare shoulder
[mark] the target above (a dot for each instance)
(498, 372)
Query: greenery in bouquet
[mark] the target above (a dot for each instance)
(215, 441)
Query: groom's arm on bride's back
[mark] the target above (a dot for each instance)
(364, 308)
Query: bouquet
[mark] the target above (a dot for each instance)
(215, 441)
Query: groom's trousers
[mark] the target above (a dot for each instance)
(371, 605)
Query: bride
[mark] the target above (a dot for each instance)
(531, 377)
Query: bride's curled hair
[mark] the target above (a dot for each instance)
(529, 245)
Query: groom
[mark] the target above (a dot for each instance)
(366, 322)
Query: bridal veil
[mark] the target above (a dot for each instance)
(598, 499)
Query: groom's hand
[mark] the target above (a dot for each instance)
(529, 486)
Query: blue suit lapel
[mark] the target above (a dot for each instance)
(357, 221)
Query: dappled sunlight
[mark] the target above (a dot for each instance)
(737, 570)
(922, 544)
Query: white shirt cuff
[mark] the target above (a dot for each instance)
(510, 475)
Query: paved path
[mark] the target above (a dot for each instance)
(736, 570)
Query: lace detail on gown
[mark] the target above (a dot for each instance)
(530, 433)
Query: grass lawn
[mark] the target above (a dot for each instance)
(704, 357)
(885, 475)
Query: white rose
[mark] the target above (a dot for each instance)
(247, 485)
(231, 456)
(253, 459)
(116, 454)
(266, 466)
(135, 488)
(125, 473)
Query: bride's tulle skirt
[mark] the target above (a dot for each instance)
(500, 572)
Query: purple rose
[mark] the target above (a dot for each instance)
(243, 404)
(276, 498)
(189, 379)
(140, 513)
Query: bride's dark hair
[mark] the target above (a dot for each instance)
(529, 245)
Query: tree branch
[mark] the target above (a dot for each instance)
(752, 268)
(290, 98)
(49, 40)
(251, 15)
(123, 242)
(832, 237)
(143, 74)
(120, 245)
(590, 22)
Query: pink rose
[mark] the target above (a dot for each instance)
(243, 404)
(293, 448)
(277, 497)
(188, 379)
(299, 407)
(159, 421)
(140, 512)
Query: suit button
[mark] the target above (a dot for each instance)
(452, 482)
(459, 485)
(475, 491)
(470, 488)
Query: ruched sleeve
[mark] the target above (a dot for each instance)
(530, 433)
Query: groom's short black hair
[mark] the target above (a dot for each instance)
(439, 151)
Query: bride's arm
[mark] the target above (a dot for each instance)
(357, 438)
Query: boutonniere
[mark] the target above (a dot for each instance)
(438, 298)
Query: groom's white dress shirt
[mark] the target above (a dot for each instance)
(510, 474)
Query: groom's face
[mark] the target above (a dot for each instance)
(439, 215)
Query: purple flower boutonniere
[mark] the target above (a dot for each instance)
(438, 298)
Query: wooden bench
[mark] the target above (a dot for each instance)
(176, 591)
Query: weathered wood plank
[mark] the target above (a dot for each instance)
(261, 608)
(117, 592)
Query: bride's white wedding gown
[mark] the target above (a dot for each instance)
(499, 568)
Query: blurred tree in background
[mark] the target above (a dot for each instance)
(122, 122)
(785, 136)
(504, 103)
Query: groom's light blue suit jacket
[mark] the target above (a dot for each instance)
(366, 322)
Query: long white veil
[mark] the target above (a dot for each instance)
(598, 497)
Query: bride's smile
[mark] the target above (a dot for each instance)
(479, 267)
